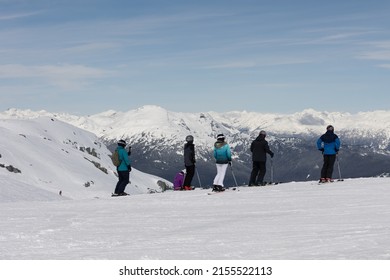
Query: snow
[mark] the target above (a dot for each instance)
(292, 221)
(346, 220)
(55, 157)
(164, 123)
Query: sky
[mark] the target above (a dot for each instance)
(89, 56)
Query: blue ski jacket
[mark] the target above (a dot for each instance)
(124, 159)
(222, 153)
(329, 143)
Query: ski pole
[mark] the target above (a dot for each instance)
(272, 170)
(234, 177)
(338, 166)
(197, 174)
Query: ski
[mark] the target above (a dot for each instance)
(211, 193)
(119, 195)
(266, 184)
(331, 182)
(226, 190)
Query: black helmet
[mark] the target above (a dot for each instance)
(330, 127)
(190, 138)
(122, 143)
(221, 137)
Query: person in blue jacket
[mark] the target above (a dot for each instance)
(329, 145)
(223, 157)
(123, 169)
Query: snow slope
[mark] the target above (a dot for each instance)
(41, 157)
(293, 221)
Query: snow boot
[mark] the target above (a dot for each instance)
(218, 188)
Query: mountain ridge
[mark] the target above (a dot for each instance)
(157, 136)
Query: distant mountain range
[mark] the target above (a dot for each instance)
(157, 137)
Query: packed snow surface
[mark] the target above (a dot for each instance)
(302, 220)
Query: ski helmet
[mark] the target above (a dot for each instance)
(263, 133)
(190, 138)
(220, 137)
(330, 128)
(122, 143)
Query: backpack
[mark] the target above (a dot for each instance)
(115, 158)
(178, 181)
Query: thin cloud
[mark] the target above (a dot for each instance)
(18, 16)
(380, 51)
(62, 76)
(253, 64)
(70, 71)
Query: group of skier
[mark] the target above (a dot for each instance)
(328, 144)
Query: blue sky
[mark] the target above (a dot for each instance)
(88, 56)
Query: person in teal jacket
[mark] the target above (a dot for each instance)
(329, 145)
(123, 169)
(223, 157)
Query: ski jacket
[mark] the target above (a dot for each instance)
(329, 143)
(260, 149)
(189, 154)
(178, 181)
(124, 159)
(222, 153)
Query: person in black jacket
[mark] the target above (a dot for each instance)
(189, 162)
(259, 149)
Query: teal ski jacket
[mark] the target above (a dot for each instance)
(124, 159)
(222, 153)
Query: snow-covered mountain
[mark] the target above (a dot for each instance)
(47, 159)
(157, 137)
(42, 154)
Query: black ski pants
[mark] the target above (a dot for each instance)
(190, 172)
(123, 180)
(327, 168)
(258, 173)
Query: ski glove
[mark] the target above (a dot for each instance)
(129, 167)
(322, 149)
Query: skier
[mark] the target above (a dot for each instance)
(329, 145)
(223, 157)
(259, 149)
(179, 180)
(123, 169)
(189, 162)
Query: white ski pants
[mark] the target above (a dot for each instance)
(221, 171)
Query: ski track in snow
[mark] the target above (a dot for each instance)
(343, 220)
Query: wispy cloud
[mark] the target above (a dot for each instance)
(376, 55)
(257, 63)
(380, 50)
(18, 15)
(387, 66)
(62, 76)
